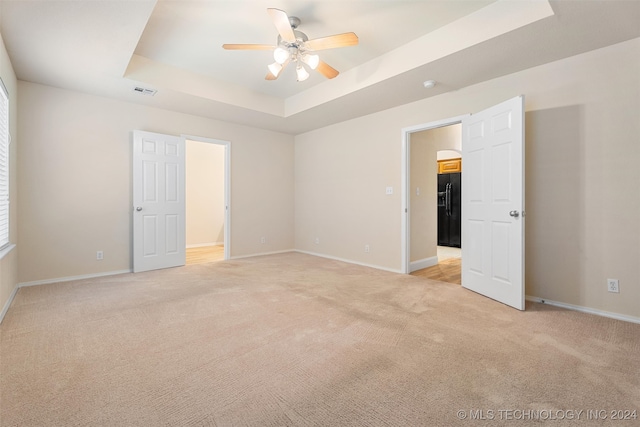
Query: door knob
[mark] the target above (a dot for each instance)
(514, 214)
(139, 208)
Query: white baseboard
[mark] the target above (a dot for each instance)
(71, 278)
(588, 310)
(8, 303)
(377, 267)
(262, 254)
(603, 313)
(423, 263)
(202, 245)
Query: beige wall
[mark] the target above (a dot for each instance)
(9, 263)
(342, 172)
(582, 127)
(74, 174)
(205, 194)
(423, 166)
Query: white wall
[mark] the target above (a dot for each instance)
(9, 263)
(74, 172)
(582, 127)
(449, 154)
(204, 194)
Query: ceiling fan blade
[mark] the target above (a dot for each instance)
(327, 70)
(281, 21)
(248, 47)
(330, 42)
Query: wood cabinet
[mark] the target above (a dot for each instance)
(449, 165)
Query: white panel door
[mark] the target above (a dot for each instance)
(158, 201)
(493, 202)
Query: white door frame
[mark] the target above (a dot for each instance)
(227, 187)
(406, 161)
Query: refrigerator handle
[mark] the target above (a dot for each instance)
(447, 200)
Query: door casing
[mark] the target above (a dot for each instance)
(406, 173)
(227, 187)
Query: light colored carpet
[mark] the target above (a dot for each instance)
(293, 339)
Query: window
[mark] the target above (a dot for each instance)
(5, 139)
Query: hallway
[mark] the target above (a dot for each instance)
(448, 269)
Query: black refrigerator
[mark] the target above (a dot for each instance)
(449, 209)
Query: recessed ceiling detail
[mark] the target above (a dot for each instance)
(174, 47)
(494, 20)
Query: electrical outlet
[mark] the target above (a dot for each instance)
(263, 240)
(613, 285)
(366, 248)
(317, 240)
(99, 255)
(389, 190)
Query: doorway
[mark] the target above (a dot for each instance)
(421, 146)
(159, 205)
(492, 200)
(434, 213)
(206, 206)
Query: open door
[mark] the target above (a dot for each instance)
(493, 202)
(158, 201)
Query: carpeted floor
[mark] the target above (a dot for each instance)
(293, 339)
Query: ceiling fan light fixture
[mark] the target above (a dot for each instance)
(295, 46)
(311, 60)
(280, 55)
(275, 68)
(301, 73)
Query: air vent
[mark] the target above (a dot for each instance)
(145, 91)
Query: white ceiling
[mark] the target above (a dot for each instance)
(189, 35)
(109, 47)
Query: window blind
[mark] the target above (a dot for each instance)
(4, 165)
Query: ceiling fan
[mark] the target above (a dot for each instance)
(295, 46)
